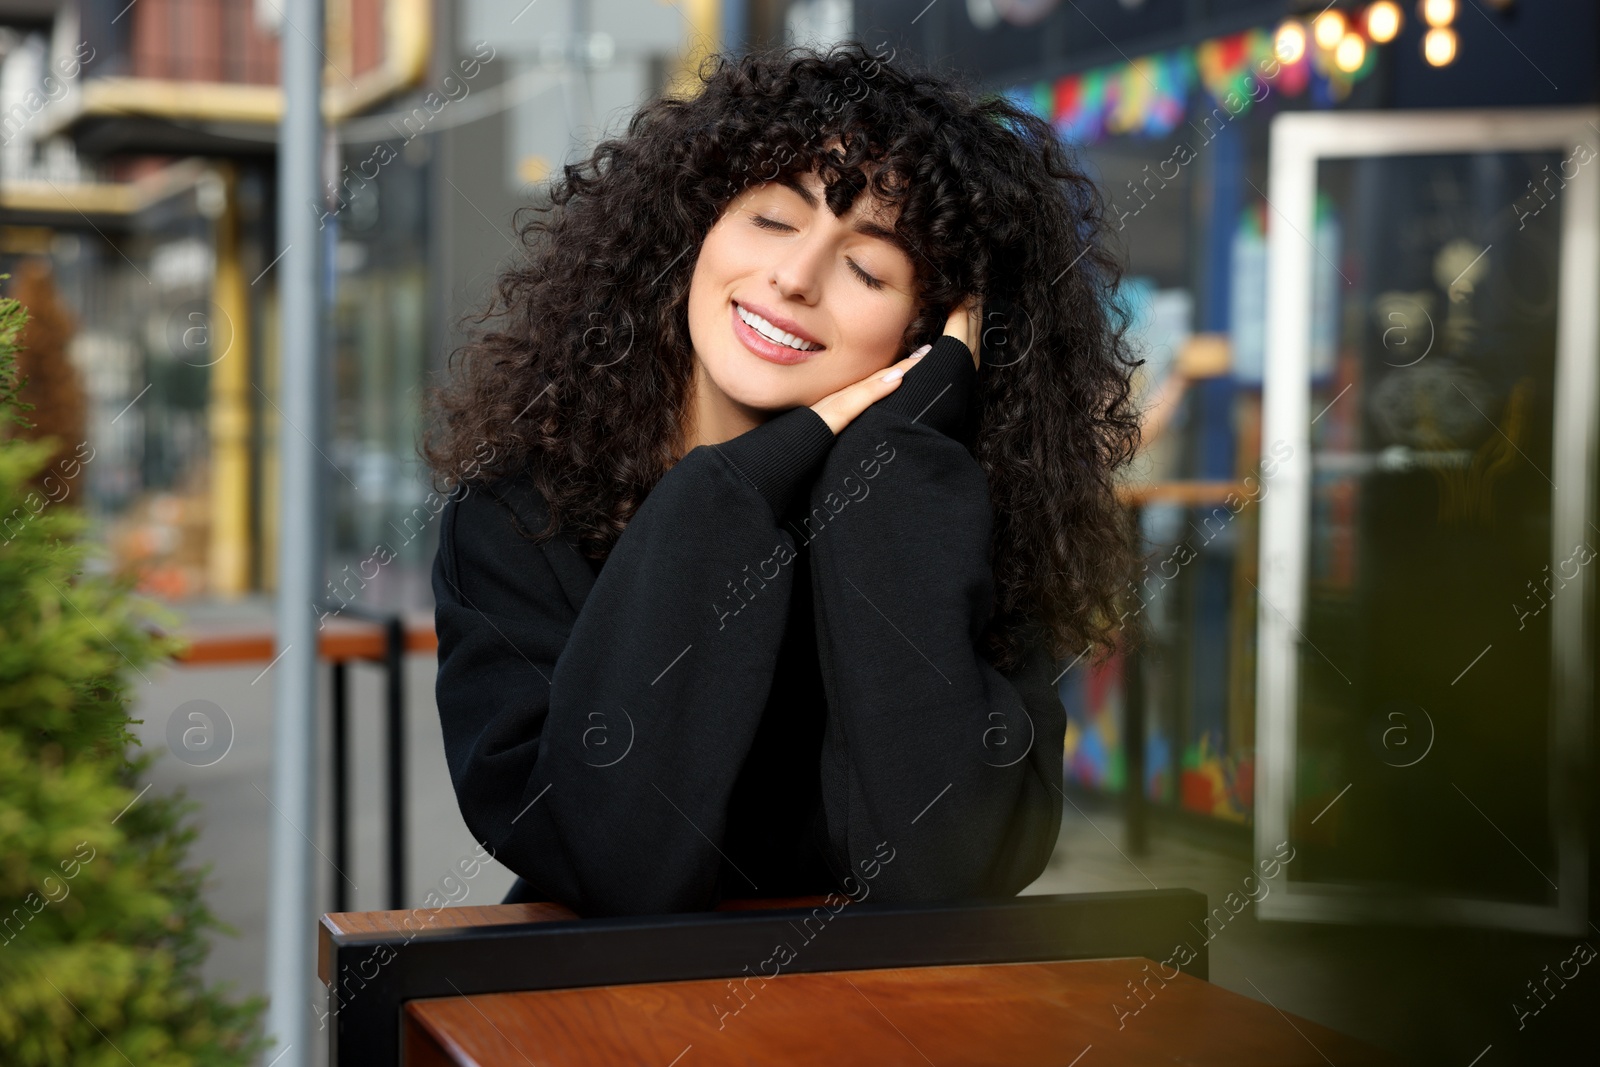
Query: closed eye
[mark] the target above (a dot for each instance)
(772, 224)
(864, 276)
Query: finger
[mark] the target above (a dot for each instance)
(895, 372)
(870, 384)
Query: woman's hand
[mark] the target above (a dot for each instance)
(839, 409)
(965, 324)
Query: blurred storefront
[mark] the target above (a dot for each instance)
(1179, 139)
(1174, 104)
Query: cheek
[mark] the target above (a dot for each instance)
(871, 329)
(872, 326)
(724, 258)
(725, 252)
(706, 268)
(706, 284)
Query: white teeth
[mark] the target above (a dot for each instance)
(772, 333)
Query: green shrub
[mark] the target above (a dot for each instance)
(102, 925)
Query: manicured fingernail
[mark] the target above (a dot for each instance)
(919, 353)
(892, 375)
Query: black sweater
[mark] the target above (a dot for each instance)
(771, 687)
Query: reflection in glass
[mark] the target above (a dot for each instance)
(1424, 706)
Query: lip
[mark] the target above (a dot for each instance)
(769, 350)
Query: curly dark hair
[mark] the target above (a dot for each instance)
(589, 396)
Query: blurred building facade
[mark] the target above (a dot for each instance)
(138, 164)
(1443, 381)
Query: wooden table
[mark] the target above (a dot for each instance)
(1058, 1014)
(1038, 980)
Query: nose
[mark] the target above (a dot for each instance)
(797, 274)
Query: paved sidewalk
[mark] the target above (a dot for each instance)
(235, 814)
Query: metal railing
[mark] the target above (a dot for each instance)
(393, 664)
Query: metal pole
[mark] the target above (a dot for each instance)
(1136, 830)
(395, 667)
(291, 905)
(735, 20)
(341, 783)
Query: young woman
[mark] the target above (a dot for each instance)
(760, 564)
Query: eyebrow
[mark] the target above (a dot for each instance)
(868, 228)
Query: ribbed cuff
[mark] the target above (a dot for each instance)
(775, 456)
(938, 389)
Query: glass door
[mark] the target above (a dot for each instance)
(1425, 606)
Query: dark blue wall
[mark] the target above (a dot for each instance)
(1540, 52)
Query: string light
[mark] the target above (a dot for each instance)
(1290, 43)
(1383, 21)
(1350, 53)
(1439, 46)
(1328, 28)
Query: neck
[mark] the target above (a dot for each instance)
(714, 417)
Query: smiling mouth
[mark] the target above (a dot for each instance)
(771, 333)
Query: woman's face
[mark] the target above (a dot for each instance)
(839, 285)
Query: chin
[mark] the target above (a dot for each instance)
(769, 402)
(752, 384)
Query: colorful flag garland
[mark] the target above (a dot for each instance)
(1148, 96)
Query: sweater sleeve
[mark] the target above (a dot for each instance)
(594, 750)
(941, 776)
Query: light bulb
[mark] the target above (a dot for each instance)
(1383, 21)
(1350, 53)
(1291, 42)
(1439, 46)
(1438, 12)
(1329, 28)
